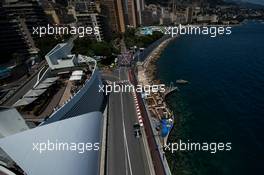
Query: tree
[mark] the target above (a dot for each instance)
(46, 43)
(102, 49)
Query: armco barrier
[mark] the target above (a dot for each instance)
(153, 147)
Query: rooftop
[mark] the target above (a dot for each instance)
(80, 129)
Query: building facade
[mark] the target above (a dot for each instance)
(15, 38)
(88, 14)
(30, 10)
(115, 13)
(132, 20)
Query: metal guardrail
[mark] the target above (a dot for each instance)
(160, 162)
(153, 145)
(103, 164)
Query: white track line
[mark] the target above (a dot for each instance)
(124, 132)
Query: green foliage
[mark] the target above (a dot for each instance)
(102, 49)
(86, 46)
(130, 32)
(83, 46)
(46, 43)
(140, 41)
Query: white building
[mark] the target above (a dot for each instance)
(61, 57)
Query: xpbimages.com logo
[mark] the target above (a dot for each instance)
(116, 88)
(212, 147)
(80, 147)
(64, 30)
(212, 31)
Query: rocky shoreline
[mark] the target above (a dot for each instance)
(150, 63)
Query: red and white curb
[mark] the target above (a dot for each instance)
(140, 119)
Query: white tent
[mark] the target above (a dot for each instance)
(43, 86)
(75, 77)
(50, 80)
(24, 101)
(77, 72)
(34, 92)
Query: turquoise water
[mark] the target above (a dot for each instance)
(224, 101)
